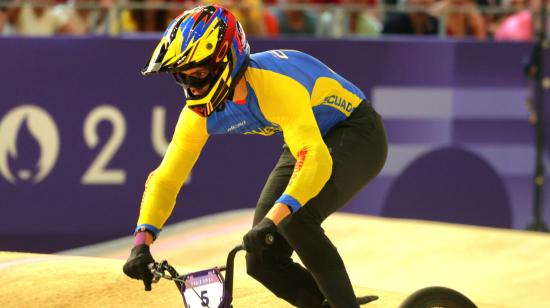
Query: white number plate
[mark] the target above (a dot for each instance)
(203, 289)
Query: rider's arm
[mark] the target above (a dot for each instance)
(287, 103)
(164, 183)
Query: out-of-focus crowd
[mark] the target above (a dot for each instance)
(481, 19)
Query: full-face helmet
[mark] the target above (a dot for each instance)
(208, 36)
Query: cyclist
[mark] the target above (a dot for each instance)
(335, 143)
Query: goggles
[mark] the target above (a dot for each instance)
(192, 82)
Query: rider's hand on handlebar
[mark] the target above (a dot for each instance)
(137, 265)
(258, 238)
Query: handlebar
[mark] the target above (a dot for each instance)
(159, 269)
(228, 282)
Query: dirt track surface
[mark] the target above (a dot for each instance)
(387, 257)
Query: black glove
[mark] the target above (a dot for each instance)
(137, 265)
(260, 236)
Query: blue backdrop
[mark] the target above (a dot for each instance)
(80, 129)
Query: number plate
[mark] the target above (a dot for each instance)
(203, 289)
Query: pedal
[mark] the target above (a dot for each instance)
(366, 299)
(362, 300)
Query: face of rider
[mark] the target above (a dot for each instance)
(199, 72)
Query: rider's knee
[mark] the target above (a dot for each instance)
(302, 226)
(269, 261)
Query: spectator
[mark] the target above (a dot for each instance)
(339, 21)
(255, 20)
(34, 18)
(520, 26)
(419, 23)
(271, 23)
(146, 20)
(466, 22)
(493, 19)
(3, 17)
(517, 27)
(82, 19)
(182, 5)
(296, 21)
(253, 17)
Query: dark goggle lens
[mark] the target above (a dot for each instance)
(192, 82)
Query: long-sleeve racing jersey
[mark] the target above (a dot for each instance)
(289, 92)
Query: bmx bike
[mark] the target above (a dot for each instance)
(210, 288)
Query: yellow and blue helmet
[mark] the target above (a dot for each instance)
(207, 36)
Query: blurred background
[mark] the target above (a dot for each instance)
(460, 84)
(481, 19)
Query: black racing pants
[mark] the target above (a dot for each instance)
(358, 148)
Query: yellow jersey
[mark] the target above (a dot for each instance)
(289, 93)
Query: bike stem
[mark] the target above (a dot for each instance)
(230, 265)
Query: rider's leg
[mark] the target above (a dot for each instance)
(358, 148)
(304, 233)
(274, 267)
(285, 278)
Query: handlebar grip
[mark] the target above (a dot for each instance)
(153, 269)
(269, 240)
